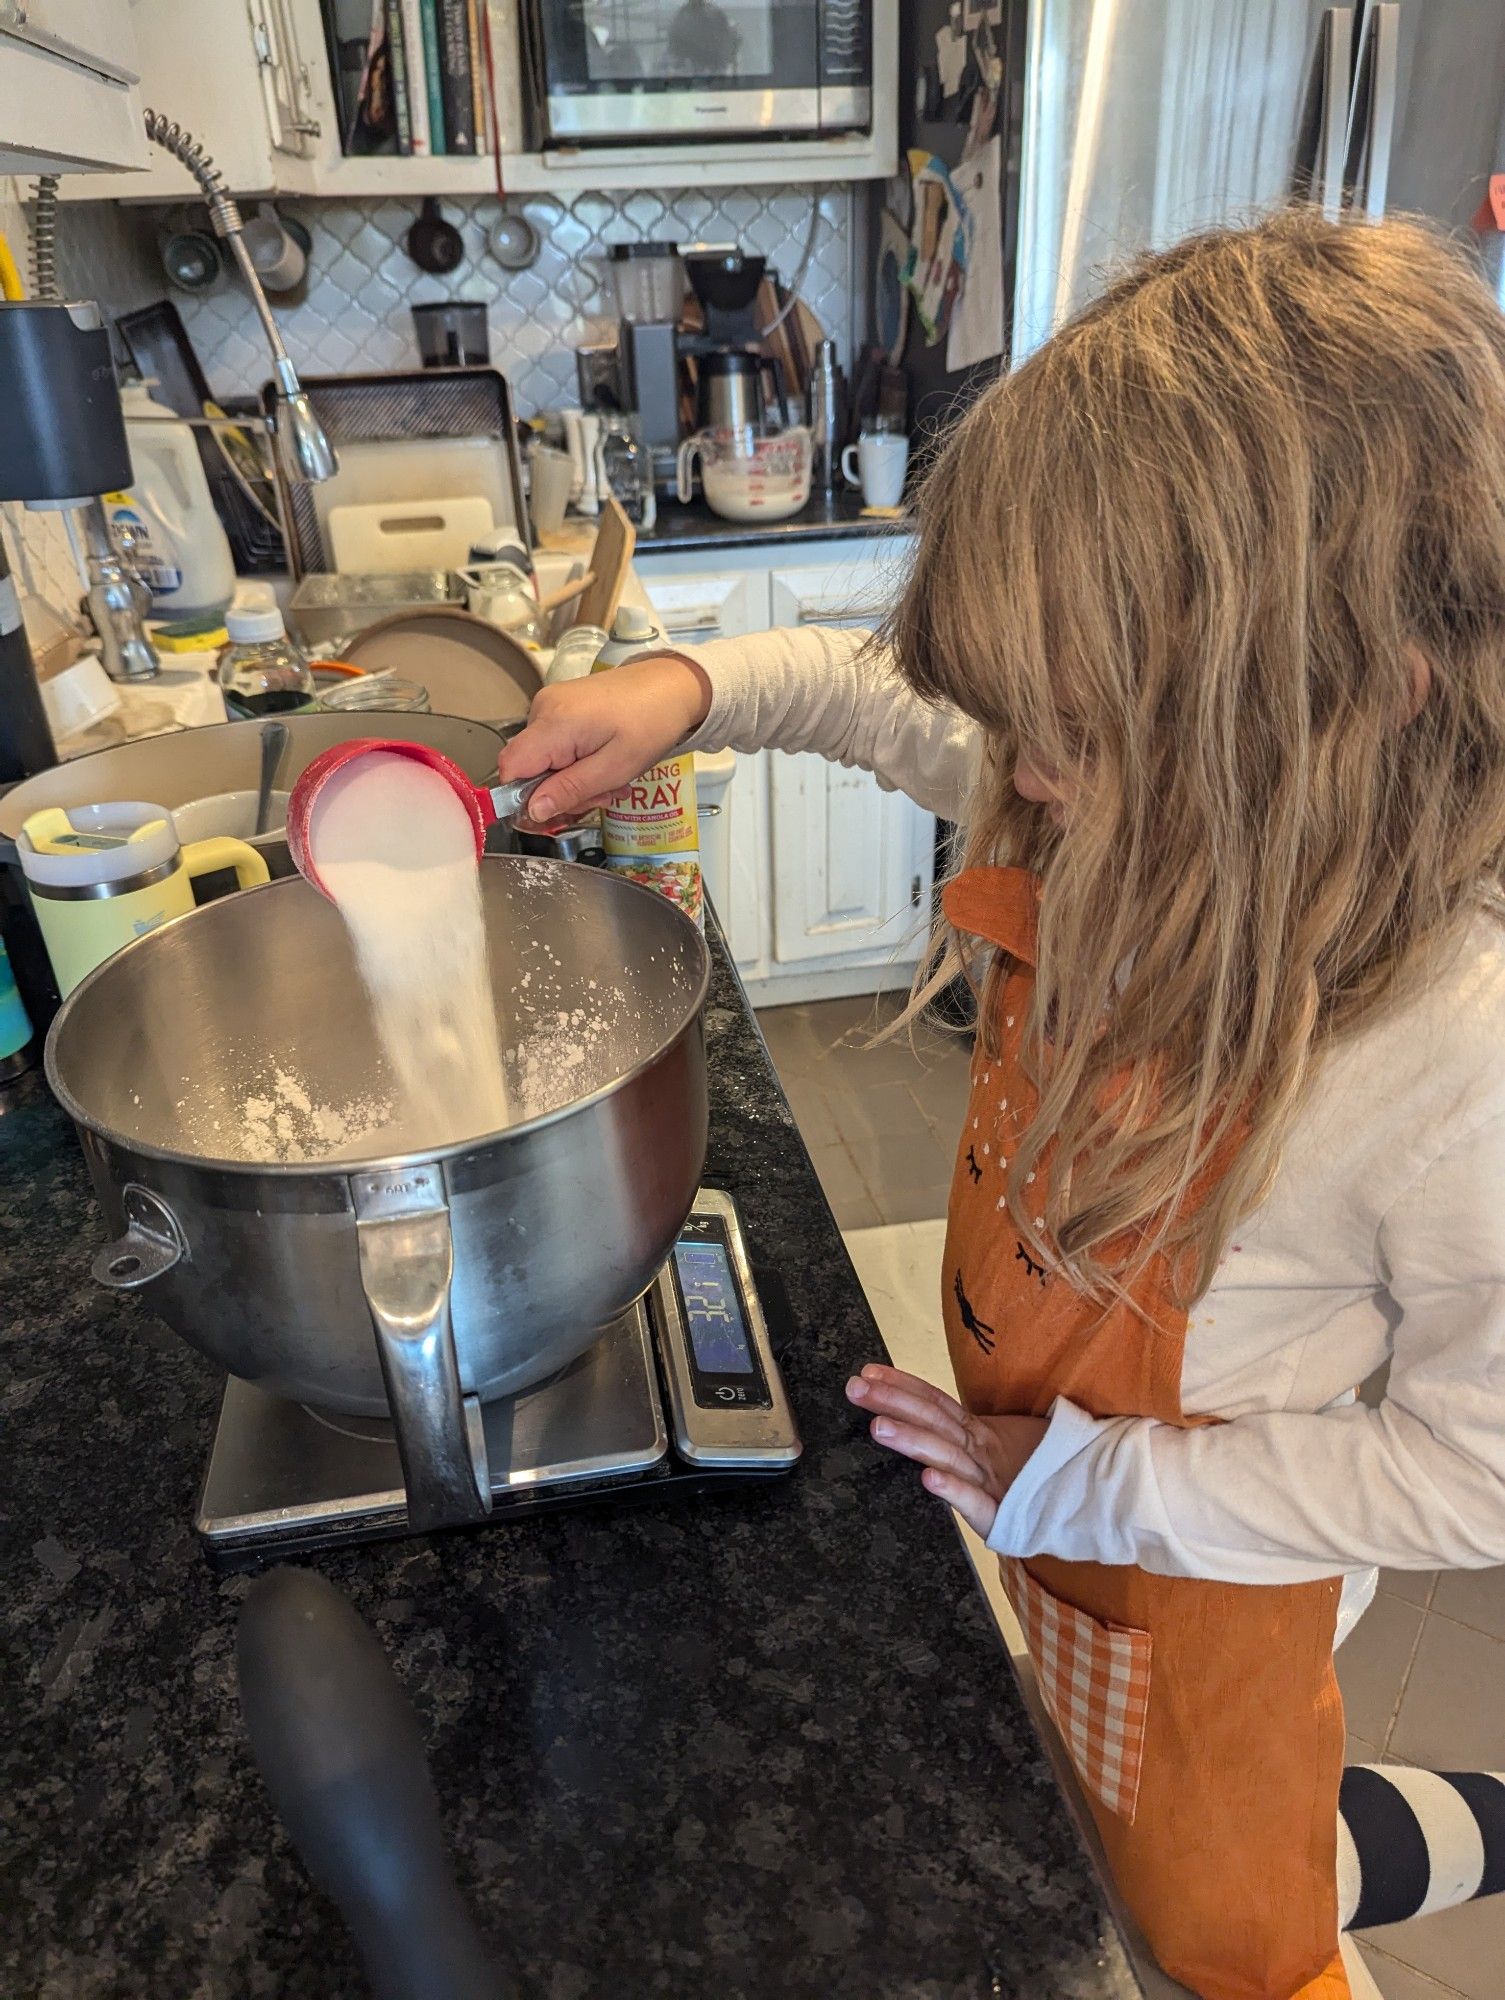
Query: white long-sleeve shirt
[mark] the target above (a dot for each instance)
(1382, 1238)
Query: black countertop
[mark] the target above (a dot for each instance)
(696, 527)
(765, 1744)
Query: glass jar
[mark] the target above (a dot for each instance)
(261, 671)
(383, 690)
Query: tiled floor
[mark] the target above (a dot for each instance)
(881, 1123)
(1423, 1676)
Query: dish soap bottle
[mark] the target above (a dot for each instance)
(650, 829)
(261, 671)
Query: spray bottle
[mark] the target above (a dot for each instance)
(650, 829)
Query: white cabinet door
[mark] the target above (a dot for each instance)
(852, 864)
(701, 605)
(211, 85)
(95, 36)
(860, 589)
(69, 102)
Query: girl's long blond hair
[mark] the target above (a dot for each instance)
(1190, 556)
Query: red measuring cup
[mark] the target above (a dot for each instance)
(484, 803)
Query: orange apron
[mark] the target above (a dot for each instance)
(1203, 1719)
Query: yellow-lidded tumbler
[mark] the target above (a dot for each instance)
(102, 875)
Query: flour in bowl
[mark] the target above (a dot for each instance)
(396, 851)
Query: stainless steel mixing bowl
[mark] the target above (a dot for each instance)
(480, 1263)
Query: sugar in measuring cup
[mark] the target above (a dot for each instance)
(484, 804)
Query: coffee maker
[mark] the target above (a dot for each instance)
(653, 362)
(729, 369)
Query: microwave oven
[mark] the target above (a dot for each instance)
(646, 72)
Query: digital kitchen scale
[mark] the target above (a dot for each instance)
(682, 1394)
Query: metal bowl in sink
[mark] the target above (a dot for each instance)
(429, 1271)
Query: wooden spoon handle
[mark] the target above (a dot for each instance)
(552, 600)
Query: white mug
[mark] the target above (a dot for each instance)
(881, 460)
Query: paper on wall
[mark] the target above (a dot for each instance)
(976, 331)
(950, 59)
(936, 264)
(890, 293)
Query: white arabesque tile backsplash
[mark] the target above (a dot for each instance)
(362, 282)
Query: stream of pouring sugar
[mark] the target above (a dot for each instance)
(396, 850)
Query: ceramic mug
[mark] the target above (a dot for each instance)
(877, 463)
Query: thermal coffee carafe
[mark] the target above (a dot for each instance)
(827, 420)
(731, 390)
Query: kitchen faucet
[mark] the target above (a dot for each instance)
(304, 453)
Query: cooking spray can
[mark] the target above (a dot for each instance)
(650, 829)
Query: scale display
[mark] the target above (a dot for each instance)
(713, 1310)
(726, 1371)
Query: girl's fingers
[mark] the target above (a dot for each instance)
(927, 1447)
(876, 1372)
(899, 1399)
(978, 1509)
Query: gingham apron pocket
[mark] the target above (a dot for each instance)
(1095, 1682)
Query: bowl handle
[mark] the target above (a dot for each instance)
(406, 1262)
(153, 1242)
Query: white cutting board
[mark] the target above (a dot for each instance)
(376, 538)
(415, 469)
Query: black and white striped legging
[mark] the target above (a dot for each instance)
(1410, 1841)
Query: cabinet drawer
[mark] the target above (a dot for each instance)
(700, 607)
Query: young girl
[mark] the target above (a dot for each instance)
(1205, 646)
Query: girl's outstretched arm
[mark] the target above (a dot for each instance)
(833, 692)
(839, 694)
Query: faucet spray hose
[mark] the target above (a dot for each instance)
(224, 212)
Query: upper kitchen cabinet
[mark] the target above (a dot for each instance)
(252, 92)
(613, 94)
(69, 101)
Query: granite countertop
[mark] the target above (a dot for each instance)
(696, 527)
(765, 1743)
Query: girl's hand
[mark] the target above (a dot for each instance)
(971, 1462)
(601, 732)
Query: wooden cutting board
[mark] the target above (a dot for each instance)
(616, 539)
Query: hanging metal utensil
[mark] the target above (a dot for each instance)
(433, 244)
(513, 241)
